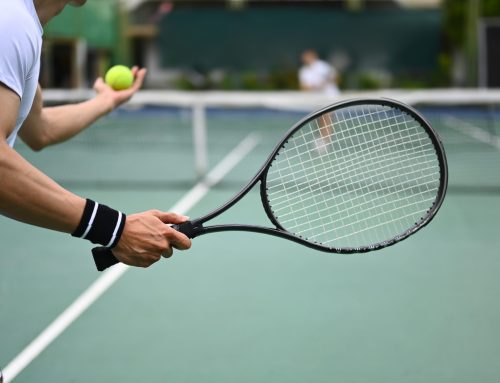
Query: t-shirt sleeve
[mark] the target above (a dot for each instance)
(17, 56)
(325, 70)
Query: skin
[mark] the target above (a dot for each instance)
(29, 196)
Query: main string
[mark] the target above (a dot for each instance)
(354, 177)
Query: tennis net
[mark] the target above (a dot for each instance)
(165, 138)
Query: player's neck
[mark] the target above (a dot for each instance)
(47, 9)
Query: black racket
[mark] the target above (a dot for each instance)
(353, 177)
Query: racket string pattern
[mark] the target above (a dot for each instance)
(354, 177)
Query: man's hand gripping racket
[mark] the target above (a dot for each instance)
(353, 177)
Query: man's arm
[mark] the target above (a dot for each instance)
(28, 195)
(51, 125)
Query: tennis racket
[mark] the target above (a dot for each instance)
(353, 177)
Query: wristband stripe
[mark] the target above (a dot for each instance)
(118, 224)
(100, 224)
(87, 213)
(91, 220)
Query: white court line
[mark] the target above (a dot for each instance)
(473, 131)
(109, 277)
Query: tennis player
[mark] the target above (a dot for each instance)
(28, 195)
(317, 75)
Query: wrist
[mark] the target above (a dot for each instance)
(104, 104)
(100, 224)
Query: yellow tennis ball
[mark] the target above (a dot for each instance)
(119, 77)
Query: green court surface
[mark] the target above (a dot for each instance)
(242, 307)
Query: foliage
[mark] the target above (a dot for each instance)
(455, 18)
(250, 80)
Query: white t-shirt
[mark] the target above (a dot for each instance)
(319, 76)
(20, 50)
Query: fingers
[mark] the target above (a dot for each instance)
(122, 96)
(147, 237)
(177, 239)
(150, 260)
(99, 82)
(167, 217)
(139, 75)
(168, 252)
(100, 85)
(144, 261)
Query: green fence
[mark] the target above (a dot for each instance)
(97, 22)
(263, 38)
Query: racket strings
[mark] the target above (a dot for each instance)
(385, 178)
(354, 136)
(354, 177)
(351, 162)
(344, 208)
(361, 205)
(335, 175)
(372, 216)
(326, 178)
(352, 154)
(324, 181)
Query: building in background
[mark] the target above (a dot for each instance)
(255, 44)
(81, 43)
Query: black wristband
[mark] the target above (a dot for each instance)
(100, 224)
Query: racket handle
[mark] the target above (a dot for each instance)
(103, 258)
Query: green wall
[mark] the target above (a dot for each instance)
(97, 22)
(271, 37)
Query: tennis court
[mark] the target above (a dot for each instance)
(250, 308)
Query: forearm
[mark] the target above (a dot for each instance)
(51, 125)
(60, 123)
(29, 196)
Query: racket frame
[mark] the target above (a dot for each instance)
(104, 257)
(195, 227)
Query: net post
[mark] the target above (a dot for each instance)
(200, 138)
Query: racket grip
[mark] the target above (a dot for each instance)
(103, 258)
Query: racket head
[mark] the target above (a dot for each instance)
(356, 176)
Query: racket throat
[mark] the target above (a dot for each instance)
(190, 229)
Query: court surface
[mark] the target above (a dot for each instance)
(242, 307)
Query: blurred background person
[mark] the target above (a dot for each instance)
(317, 75)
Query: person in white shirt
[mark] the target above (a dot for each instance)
(317, 75)
(28, 195)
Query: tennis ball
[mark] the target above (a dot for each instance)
(119, 77)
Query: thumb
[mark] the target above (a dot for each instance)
(167, 217)
(99, 84)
